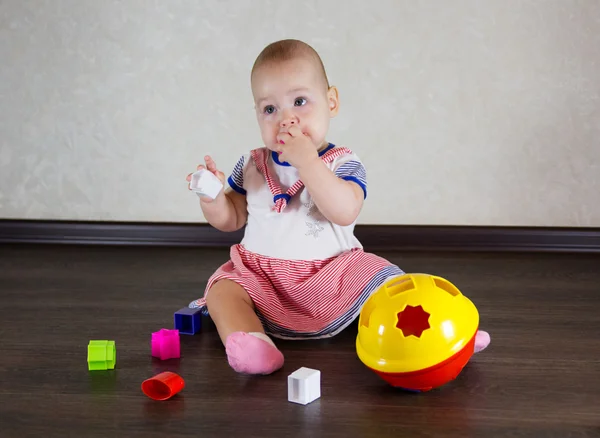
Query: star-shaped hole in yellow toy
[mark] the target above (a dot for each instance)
(413, 321)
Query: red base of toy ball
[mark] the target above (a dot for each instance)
(432, 377)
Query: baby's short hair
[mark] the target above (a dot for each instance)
(285, 50)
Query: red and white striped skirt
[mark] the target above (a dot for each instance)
(297, 299)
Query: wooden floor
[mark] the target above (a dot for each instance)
(540, 377)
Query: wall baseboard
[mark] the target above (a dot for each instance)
(373, 237)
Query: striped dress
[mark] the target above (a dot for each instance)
(308, 278)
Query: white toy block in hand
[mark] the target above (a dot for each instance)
(304, 386)
(205, 183)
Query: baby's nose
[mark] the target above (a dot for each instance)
(288, 120)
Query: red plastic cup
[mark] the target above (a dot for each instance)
(163, 386)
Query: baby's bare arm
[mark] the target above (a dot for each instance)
(227, 212)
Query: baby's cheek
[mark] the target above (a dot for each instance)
(269, 132)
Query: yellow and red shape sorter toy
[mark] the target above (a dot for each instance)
(417, 332)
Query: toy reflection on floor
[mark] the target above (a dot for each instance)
(417, 332)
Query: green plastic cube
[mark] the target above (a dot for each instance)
(102, 355)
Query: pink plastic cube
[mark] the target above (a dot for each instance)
(165, 344)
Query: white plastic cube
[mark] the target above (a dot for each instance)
(205, 183)
(304, 386)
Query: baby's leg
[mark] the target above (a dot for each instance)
(249, 349)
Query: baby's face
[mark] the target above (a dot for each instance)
(293, 93)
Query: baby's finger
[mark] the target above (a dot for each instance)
(221, 176)
(200, 167)
(210, 164)
(295, 131)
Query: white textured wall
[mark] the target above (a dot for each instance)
(465, 112)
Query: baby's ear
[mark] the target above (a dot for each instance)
(333, 100)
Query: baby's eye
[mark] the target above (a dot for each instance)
(269, 109)
(300, 101)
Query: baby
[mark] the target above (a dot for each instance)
(299, 272)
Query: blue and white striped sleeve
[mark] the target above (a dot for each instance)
(236, 179)
(353, 170)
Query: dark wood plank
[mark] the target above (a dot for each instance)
(539, 377)
(376, 237)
